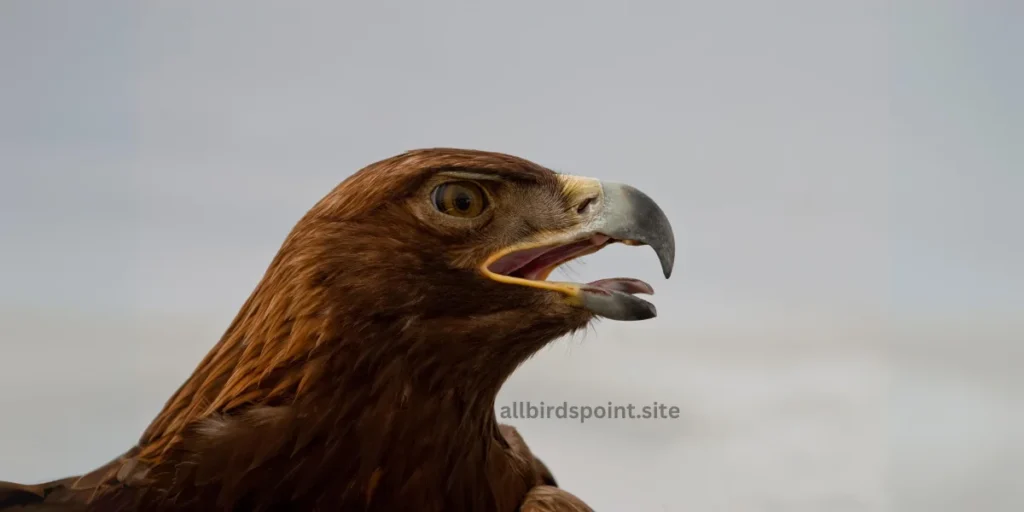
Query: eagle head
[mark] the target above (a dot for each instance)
(449, 251)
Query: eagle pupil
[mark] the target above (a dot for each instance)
(463, 202)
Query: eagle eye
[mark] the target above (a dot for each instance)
(460, 199)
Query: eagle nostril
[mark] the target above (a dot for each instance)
(585, 205)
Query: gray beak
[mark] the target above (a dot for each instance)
(632, 217)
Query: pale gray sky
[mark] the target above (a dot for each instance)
(843, 329)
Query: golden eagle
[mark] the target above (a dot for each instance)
(361, 374)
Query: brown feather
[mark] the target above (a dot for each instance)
(545, 498)
(362, 371)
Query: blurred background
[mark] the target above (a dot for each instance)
(843, 331)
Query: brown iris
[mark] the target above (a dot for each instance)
(460, 199)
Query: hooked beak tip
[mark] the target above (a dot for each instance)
(629, 214)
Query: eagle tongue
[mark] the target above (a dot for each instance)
(516, 261)
(623, 284)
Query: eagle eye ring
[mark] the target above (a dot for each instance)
(463, 199)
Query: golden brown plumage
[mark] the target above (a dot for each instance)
(361, 373)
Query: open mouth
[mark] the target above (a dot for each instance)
(607, 213)
(537, 263)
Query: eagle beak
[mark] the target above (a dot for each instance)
(606, 213)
